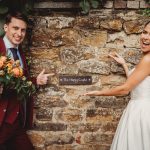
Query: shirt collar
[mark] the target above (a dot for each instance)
(8, 44)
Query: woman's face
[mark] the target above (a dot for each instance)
(145, 39)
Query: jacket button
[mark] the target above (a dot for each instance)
(17, 112)
(4, 110)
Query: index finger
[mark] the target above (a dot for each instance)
(42, 72)
(117, 54)
(111, 55)
(49, 74)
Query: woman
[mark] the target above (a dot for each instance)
(133, 132)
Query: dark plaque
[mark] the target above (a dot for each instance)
(75, 80)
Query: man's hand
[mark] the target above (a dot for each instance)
(42, 78)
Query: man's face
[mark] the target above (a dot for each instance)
(15, 31)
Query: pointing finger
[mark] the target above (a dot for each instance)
(111, 56)
(42, 72)
(117, 54)
(49, 74)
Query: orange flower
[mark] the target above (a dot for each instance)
(21, 72)
(17, 63)
(11, 62)
(3, 58)
(17, 72)
(9, 67)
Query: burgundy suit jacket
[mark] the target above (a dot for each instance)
(4, 102)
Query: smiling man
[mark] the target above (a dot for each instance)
(15, 116)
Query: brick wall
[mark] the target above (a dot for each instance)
(110, 4)
(79, 45)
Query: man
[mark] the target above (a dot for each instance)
(16, 117)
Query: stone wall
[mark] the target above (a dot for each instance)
(79, 45)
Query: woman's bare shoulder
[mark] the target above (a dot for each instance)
(146, 58)
(144, 64)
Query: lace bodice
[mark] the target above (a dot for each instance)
(142, 90)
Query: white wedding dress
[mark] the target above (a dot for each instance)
(133, 131)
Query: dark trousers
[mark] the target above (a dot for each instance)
(14, 137)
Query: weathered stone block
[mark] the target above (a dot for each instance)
(111, 102)
(37, 138)
(109, 127)
(94, 66)
(103, 115)
(87, 22)
(113, 80)
(52, 101)
(94, 39)
(120, 4)
(69, 115)
(84, 127)
(93, 127)
(48, 126)
(44, 114)
(60, 22)
(121, 40)
(132, 27)
(48, 38)
(82, 102)
(59, 138)
(70, 55)
(133, 4)
(111, 25)
(40, 22)
(109, 4)
(67, 69)
(97, 138)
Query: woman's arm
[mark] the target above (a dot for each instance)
(119, 90)
(121, 61)
(139, 74)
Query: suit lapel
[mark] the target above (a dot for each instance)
(2, 47)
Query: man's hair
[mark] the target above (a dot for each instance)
(17, 15)
(147, 23)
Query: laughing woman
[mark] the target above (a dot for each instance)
(133, 131)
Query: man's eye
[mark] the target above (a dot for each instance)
(16, 28)
(144, 32)
(23, 30)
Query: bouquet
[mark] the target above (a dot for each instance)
(11, 77)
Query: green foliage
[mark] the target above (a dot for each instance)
(86, 5)
(146, 12)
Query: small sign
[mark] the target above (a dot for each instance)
(75, 80)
